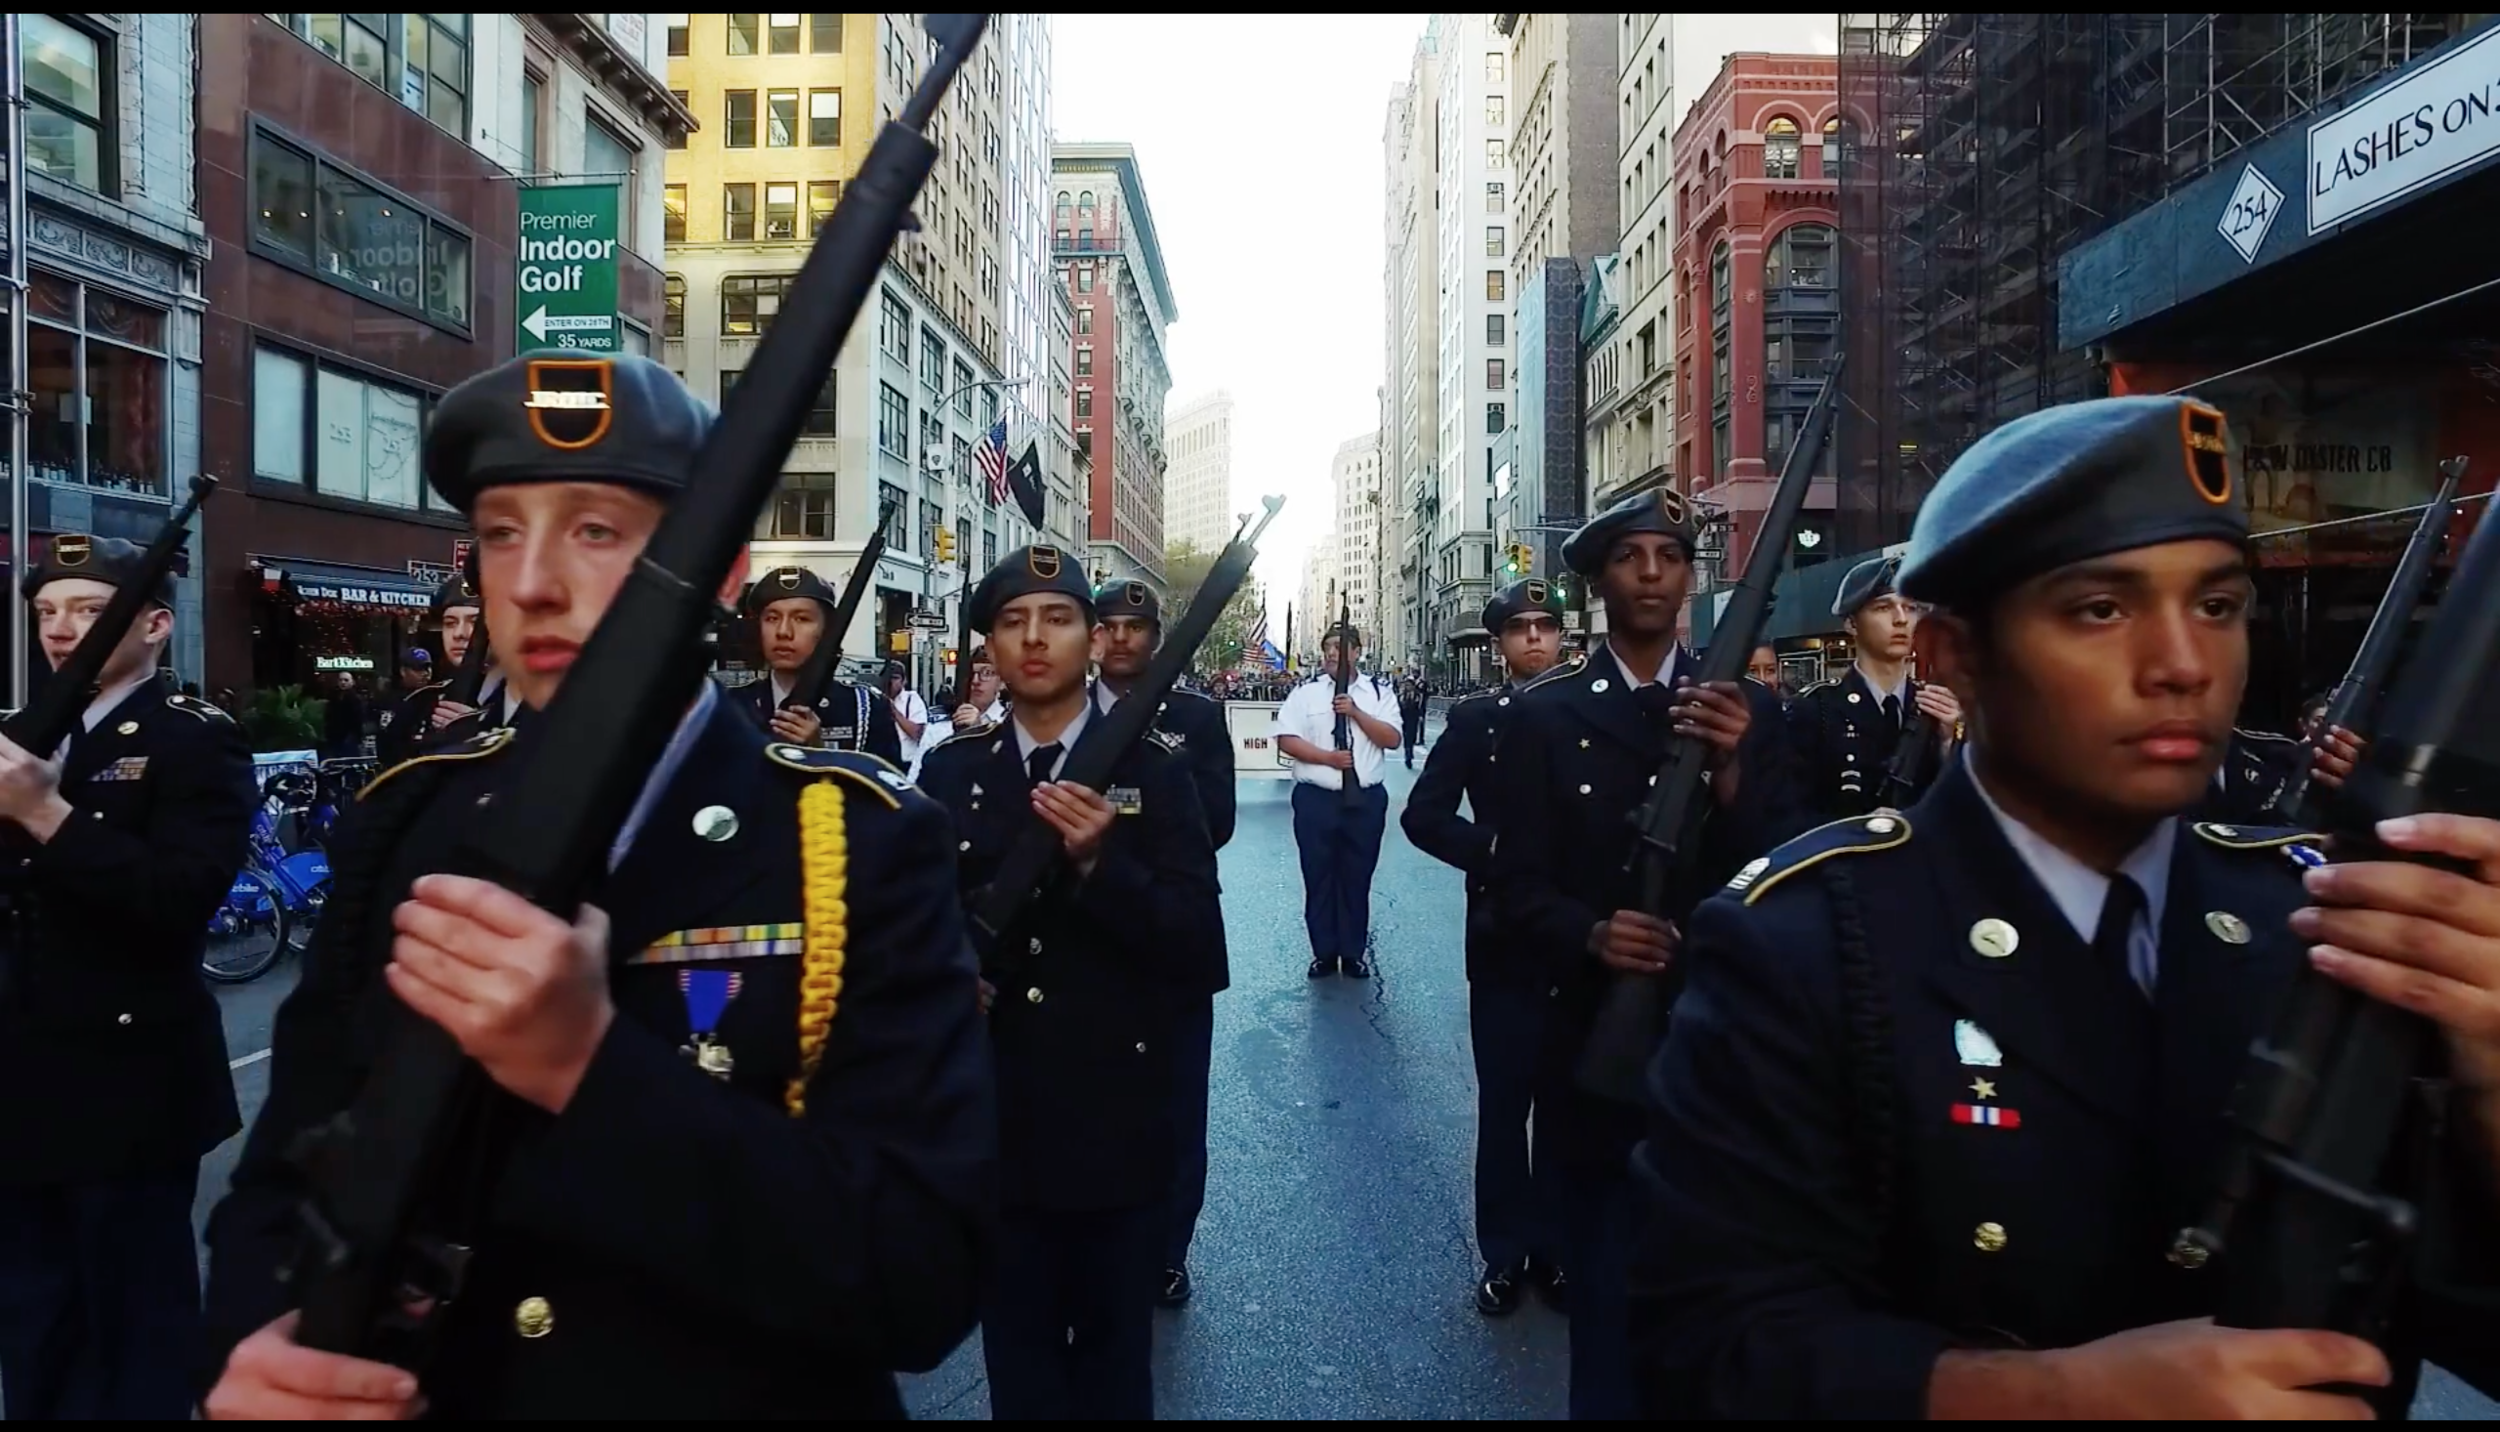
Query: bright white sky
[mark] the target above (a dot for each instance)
(1259, 140)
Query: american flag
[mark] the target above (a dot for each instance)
(990, 460)
(1257, 651)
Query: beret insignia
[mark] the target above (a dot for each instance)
(569, 401)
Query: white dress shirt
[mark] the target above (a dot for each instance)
(2079, 891)
(1307, 713)
(909, 707)
(1667, 669)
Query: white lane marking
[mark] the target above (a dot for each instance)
(252, 1058)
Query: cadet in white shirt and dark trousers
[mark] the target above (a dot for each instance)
(1338, 832)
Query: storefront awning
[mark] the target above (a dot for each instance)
(357, 586)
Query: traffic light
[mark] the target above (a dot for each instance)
(1518, 560)
(946, 544)
(1527, 559)
(947, 657)
(898, 642)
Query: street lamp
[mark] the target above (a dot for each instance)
(929, 462)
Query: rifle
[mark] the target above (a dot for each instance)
(2347, 706)
(1341, 672)
(55, 711)
(1907, 771)
(1107, 739)
(2310, 1232)
(809, 684)
(470, 679)
(367, 1273)
(1633, 1017)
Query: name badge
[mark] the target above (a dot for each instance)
(1124, 800)
(128, 768)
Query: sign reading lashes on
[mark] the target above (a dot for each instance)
(2441, 118)
(567, 268)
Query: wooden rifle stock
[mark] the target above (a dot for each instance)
(1341, 672)
(363, 1256)
(1633, 1016)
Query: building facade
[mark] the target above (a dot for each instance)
(1472, 180)
(1103, 243)
(1539, 489)
(116, 253)
(1315, 608)
(1410, 398)
(1757, 306)
(1639, 422)
(1354, 479)
(362, 191)
(1198, 490)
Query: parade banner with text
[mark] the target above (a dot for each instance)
(567, 269)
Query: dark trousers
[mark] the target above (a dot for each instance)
(99, 1299)
(1517, 1194)
(1414, 734)
(1193, 1057)
(1340, 843)
(1597, 1243)
(1067, 1325)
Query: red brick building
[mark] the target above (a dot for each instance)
(1757, 306)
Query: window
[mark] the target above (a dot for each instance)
(1084, 402)
(677, 37)
(1801, 257)
(673, 210)
(1722, 381)
(1496, 421)
(782, 34)
(279, 383)
(893, 421)
(963, 389)
(932, 434)
(1493, 198)
(608, 157)
(737, 223)
(1493, 328)
(781, 118)
(1831, 148)
(1495, 154)
(676, 138)
(1493, 241)
(781, 211)
(749, 302)
(891, 498)
(343, 229)
(1493, 114)
(959, 458)
(95, 364)
(824, 35)
(822, 195)
(820, 414)
(65, 71)
(824, 117)
(738, 119)
(1085, 319)
(673, 306)
(1495, 285)
(422, 60)
(1085, 360)
(745, 33)
(1493, 374)
(1493, 68)
(533, 101)
(803, 506)
(1779, 149)
(728, 380)
(349, 436)
(894, 328)
(1085, 279)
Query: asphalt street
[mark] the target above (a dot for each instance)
(1335, 1261)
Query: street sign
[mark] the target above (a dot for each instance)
(927, 620)
(460, 555)
(567, 268)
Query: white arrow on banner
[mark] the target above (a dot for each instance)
(539, 324)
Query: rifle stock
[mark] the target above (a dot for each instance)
(1108, 738)
(48, 718)
(1911, 757)
(374, 1165)
(1341, 672)
(2348, 705)
(2309, 1227)
(1633, 1016)
(810, 683)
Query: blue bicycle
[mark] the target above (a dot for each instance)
(277, 896)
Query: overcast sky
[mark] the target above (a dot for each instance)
(1259, 141)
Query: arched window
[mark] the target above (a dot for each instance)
(1801, 257)
(1780, 149)
(1085, 209)
(1800, 325)
(1722, 379)
(1831, 148)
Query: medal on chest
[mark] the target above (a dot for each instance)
(708, 994)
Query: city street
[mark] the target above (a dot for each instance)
(1335, 1261)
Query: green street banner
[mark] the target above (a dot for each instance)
(567, 269)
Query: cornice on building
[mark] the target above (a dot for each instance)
(619, 73)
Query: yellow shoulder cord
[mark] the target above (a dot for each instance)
(824, 877)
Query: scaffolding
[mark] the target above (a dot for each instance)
(1977, 149)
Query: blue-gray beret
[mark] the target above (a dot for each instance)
(1866, 581)
(1661, 509)
(111, 560)
(1022, 573)
(2069, 483)
(561, 415)
(1128, 599)
(782, 583)
(1529, 594)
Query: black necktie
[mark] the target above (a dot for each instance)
(1656, 703)
(1037, 766)
(1892, 712)
(2112, 941)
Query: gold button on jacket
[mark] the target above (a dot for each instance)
(534, 1318)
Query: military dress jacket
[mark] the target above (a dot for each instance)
(404, 724)
(2255, 766)
(854, 718)
(1575, 760)
(1089, 984)
(678, 1243)
(1904, 1110)
(108, 1036)
(1843, 746)
(1462, 764)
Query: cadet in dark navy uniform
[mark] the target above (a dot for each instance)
(117, 850)
(1517, 1200)
(407, 722)
(1846, 732)
(746, 1097)
(1584, 742)
(2257, 766)
(1132, 627)
(1086, 1009)
(1944, 1084)
(791, 607)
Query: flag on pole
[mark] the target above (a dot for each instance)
(1024, 478)
(990, 460)
(1257, 650)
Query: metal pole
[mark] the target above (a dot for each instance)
(20, 395)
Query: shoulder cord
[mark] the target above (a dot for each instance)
(824, 876)
(1868, 1014)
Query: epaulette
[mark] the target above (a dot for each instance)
(861, 768)
(1476, 696)
(484, 743)
(969, 733)
(205, 710)
(1568, 668)
(2301, 847)
(1858, 835)
(1818, 686)
(1165, 739)
(2247, 734)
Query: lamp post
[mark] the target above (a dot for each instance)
(928, 540)
(20, 398)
